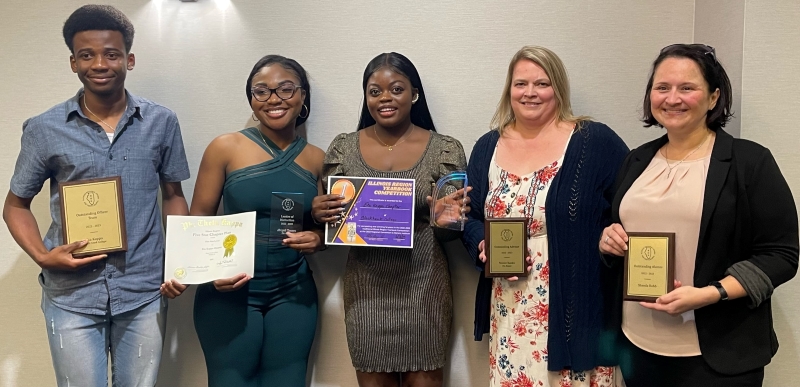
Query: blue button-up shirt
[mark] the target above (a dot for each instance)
(62, 144)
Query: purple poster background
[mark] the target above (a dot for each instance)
(379, 212)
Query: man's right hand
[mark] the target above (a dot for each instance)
(60, 258)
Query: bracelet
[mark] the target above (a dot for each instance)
(723, 294)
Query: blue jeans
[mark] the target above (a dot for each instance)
(80, 344)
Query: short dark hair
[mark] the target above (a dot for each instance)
(93, 17)
(290, 65)
(713, 73)
(420, 114)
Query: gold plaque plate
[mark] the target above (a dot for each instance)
(649, 266)
(506, 246)
(92, 210)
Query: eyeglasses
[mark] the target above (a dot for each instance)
(706, 49)
(283, 91)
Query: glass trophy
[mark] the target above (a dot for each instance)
(287, 214)
(449, 194)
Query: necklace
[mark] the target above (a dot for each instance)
(269, 148)
(95, 115)
(264, 140)
(671, 167)
(403, 138)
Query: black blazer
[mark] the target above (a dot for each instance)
(748, 214)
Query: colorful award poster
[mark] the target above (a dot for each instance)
(201, 249)
(378, 212)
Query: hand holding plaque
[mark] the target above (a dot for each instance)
(92, 210)
(448, 201)
(649, 266)
(506, 247)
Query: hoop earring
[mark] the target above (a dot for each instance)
(414, 100)
(253, 115)
(307, 112)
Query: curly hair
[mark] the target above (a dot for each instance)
(93, 17)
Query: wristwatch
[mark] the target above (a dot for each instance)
(723, 294)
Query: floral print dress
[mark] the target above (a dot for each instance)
(520, 309)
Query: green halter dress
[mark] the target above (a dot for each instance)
(261, 334)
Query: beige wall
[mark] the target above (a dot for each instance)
(770, 99)
(720, 24)
(195, 57)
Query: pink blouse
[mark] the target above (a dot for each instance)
(661, 200)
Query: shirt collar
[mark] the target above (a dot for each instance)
(133, 108)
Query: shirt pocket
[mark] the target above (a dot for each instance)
(140, 170)
(69, 166)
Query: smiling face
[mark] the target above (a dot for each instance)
(388, 96)
(680, 99)
(532, 97)
(274, 112)
(100, 61)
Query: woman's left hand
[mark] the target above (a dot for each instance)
(529, 260)
(307, 242)
(683, 299)
(451, 208)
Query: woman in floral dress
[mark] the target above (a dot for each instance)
(557, 170)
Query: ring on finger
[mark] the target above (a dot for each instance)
(606, 241)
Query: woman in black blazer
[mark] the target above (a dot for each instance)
(736, 233)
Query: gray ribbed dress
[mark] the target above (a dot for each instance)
(398, 303)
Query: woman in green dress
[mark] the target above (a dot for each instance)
(258, 331)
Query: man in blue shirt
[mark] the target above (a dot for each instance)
(109, 301)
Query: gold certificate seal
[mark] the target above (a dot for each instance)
(228, 244)
(180, 273)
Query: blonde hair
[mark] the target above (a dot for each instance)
(554, 68)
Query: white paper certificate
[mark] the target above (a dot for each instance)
(201, 249)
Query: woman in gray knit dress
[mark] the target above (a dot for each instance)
(398, 302)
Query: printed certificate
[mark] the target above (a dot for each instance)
(201, 249)
(378, 212)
